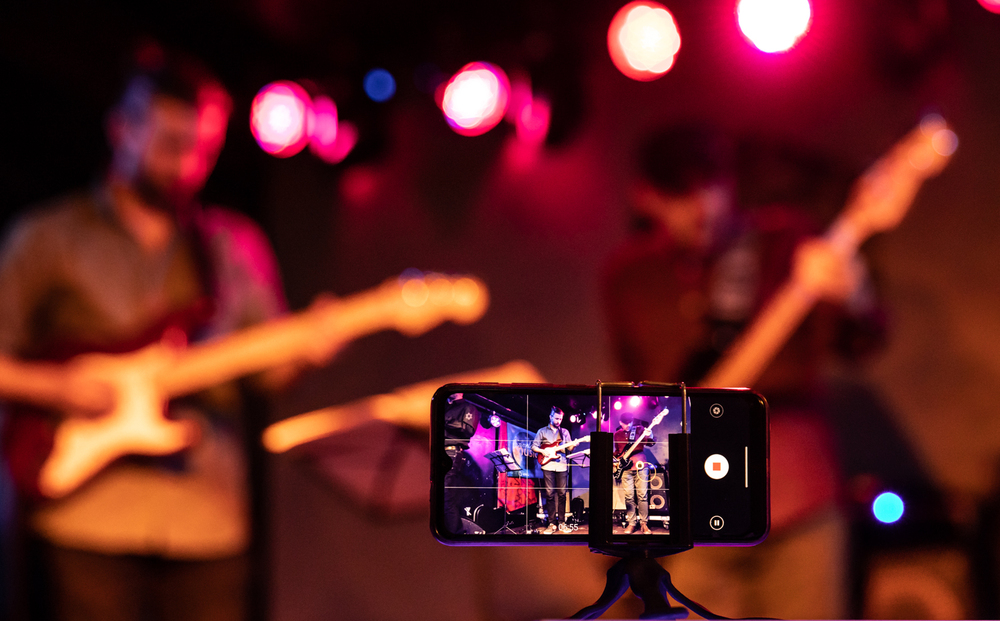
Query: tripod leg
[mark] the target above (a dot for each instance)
(650, 582)
(616, 586)
(692, 605)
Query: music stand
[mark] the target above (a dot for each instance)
(504, 462)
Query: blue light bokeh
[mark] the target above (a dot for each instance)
(379, 85)
(888, 508)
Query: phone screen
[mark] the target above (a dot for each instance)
(512, 463)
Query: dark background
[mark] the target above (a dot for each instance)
(415, 194)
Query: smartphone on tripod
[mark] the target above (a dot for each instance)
(511, 463)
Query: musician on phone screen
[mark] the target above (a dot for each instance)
(554, 468)
(635, 473)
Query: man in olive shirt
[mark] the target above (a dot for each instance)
(554, 471)
(108, 270)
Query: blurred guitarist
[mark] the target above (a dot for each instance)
(693, 275)
(110, 270)
(632, 434)
(554, 467)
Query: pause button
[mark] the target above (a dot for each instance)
(716, 522)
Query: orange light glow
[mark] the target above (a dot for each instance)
(467, 292)
(415, 292)
(442, 291)
(643, 40)
(475, 99)
(281, 118)
(774, 25)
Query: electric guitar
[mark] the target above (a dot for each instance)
(624, 461)
(143, 381)
(881, 199)
(550, 450)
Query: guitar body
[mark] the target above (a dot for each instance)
(27, 443)
(545, 446)
(49, 459)
(619, 466)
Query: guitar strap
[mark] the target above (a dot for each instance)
(198, 238)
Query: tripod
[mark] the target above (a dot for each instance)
(650, 582)
(638, 568)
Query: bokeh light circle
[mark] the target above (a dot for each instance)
(281, 118)
(475, 99)
(888, 508)
(379, 85)
(774, 25)
(993, 6)
(643, 40)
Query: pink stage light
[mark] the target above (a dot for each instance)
(643, 40)
(342, 145)
(475, 99)
(774, 25)
(530, 114)
(993, 6)
(325, 128)
(323, 141)
(532, 122)
(282, 118)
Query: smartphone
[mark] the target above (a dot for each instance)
(511, 463)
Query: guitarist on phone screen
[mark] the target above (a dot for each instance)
(630, 439)
(554, 468)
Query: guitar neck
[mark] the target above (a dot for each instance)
(278, 342)
(750, 354)
(755, 348)
(881, 199)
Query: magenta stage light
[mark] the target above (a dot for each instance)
(774, 25)
(993, 6)
(282, 118)
(475, 99)
(643, 40)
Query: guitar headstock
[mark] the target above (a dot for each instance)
(426, 300)
(883, 195)
(659, 417)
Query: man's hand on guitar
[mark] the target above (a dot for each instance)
(84, 395)
(93, 383)
(826, 273)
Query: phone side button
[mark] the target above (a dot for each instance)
(716, 522)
